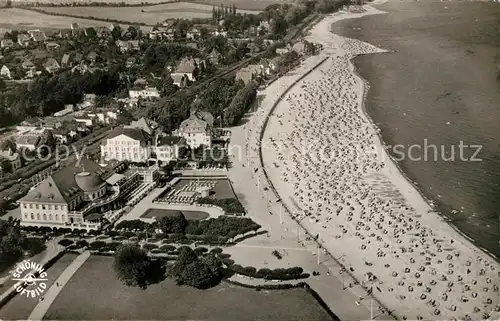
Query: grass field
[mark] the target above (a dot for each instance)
(244, 4)
(190, 215)
(94, 293)
(20, 307)
(147, 14)
(19, 19)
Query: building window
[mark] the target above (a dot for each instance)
(50, 217)
(38, 216)
(56, 207)
(62, 217)
(31, 205)
(25, 206)
(26, 216)
(36, 206)
(32, 216)
(44, 216)
(57, 217)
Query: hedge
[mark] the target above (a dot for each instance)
(293, 273)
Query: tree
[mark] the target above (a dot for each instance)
(132, 32)
(197, 275)
(176, 223)
(132, 265)
(116, 33)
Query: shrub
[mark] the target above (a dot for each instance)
(216, 250)
(167, 248)
(65, 242)
(149, 246)
(200, 250)
(81, 244)
(97, 245)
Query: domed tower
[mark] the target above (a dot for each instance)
(91, 184)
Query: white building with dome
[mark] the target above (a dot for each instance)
(79, 196)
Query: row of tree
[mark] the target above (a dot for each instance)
(240, 104)
(229, 205)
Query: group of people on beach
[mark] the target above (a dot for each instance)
(322, 154)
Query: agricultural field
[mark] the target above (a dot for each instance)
(88, 294)
(19, 19)
(147, 14)
(244, 4)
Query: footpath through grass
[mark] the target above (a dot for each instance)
(94, 293)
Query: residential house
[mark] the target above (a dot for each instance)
(128, 45)
(78, 196)
(30, 140)
(180, 80)
(159, 33)
(23, 40)
(197, 129)
(64, 34)
(113, 26)
(127, 144)
(148, 126)
(28, 64)
(51, 123)
(12, 157)
(248, 73)
(5, 72)
(214, 57)
(105, 116)
(299, 47)
(52, 45)
(62, 135)
(84, 119)
(74, 26)
(83, 68)
(187, 66)
(103, 32)
(264, 25)
(92, 57)
(6, 43)
(29, 124)
(147, 92)
(193, 33)
(51, 65)
(37, 35)
(282, 51)
(167, 148)
(219, 32)
(65, 60)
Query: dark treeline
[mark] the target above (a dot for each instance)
(48, 94)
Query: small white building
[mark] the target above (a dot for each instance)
(127, 144)
(147, 92)
(5, 72)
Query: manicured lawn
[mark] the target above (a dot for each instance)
(190, 215)
(20, 307)
(94, 293)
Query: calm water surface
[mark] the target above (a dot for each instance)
(439, 87)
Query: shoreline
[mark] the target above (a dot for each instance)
(407, 189)
(431, 202)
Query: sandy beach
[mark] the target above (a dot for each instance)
(330, 168)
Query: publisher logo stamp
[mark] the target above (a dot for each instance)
(31, 278)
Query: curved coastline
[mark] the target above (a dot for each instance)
(429, 201)
(428, 217)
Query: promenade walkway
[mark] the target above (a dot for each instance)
(52, 293)
(263, 207)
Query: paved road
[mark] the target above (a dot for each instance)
(52, 293)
